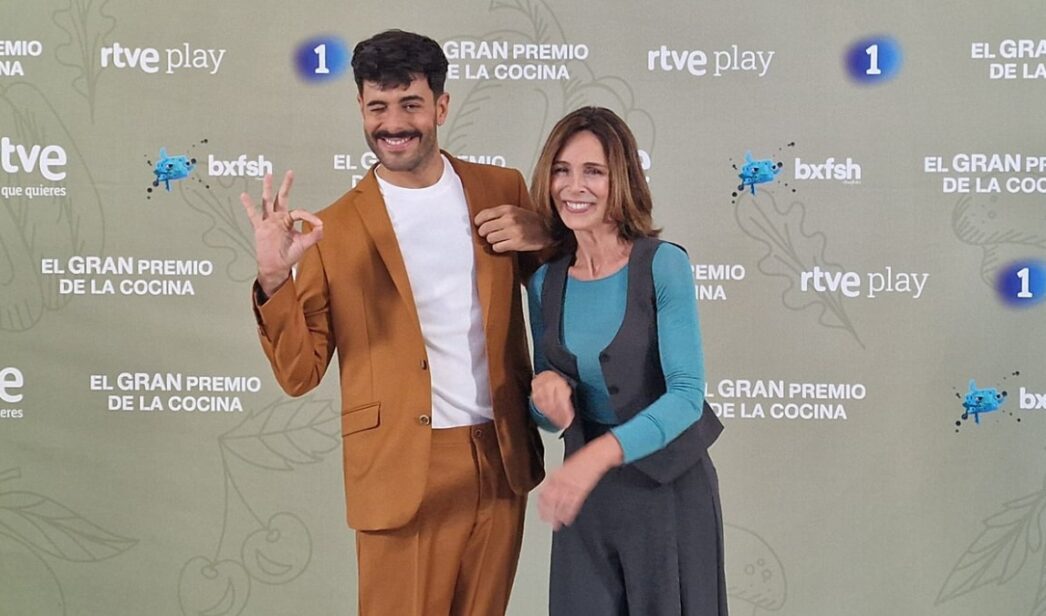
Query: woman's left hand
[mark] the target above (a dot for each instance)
(565, 489)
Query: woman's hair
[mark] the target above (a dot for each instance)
(629, 204)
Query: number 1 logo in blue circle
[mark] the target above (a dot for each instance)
(874, 59)
(1022, 283)
(323, 58)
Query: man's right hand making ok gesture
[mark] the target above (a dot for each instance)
(278, 245)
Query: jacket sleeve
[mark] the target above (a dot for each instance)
(537, 329)
(528, 261)
(294, 326)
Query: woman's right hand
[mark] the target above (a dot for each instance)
(551, 394)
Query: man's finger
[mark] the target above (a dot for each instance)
(285, 190)
(501, 235)
(316, 233)
(491, 226)
(492, 212)
(505, 246)
(248, 205)
(267, 206)
(307, 216)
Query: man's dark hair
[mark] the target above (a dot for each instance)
(394, 57)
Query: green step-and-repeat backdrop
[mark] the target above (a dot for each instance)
(861, 187)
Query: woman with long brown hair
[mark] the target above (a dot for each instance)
(619, 367)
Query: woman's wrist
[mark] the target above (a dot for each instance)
(606, 452)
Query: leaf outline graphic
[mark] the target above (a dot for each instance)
(791, 250)
(999, 553)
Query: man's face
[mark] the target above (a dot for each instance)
(400, 124)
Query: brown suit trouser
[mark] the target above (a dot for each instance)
(458, 556)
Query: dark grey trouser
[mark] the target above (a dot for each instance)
(642, 549)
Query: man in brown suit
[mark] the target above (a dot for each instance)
(414, 280)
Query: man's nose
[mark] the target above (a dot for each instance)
(395, 120)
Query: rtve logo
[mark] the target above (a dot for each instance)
(1032, 401)
(15, 157)
(240, 167)
(11, 379)
(847, 172)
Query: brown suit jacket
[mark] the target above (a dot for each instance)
(351, 295)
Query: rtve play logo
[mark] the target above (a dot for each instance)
(151, 60)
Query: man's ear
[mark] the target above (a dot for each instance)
(442, 107)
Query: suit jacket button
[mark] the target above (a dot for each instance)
(424, 364)
(604, 358)
(424, 420)
(612, 390)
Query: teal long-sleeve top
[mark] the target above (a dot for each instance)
(592, 314)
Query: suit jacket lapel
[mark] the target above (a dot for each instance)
(371, 208)
(476, 195)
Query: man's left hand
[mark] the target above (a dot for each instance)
(510, 228)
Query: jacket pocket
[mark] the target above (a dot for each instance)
(360, 418)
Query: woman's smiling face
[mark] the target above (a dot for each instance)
(580, 183)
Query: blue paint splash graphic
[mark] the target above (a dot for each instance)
(171, 168)
(757, 172)
(977, 401)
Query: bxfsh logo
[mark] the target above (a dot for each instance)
(238, 167)
(847, 172)
(170, 168)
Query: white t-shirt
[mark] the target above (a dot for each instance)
(434, 231)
